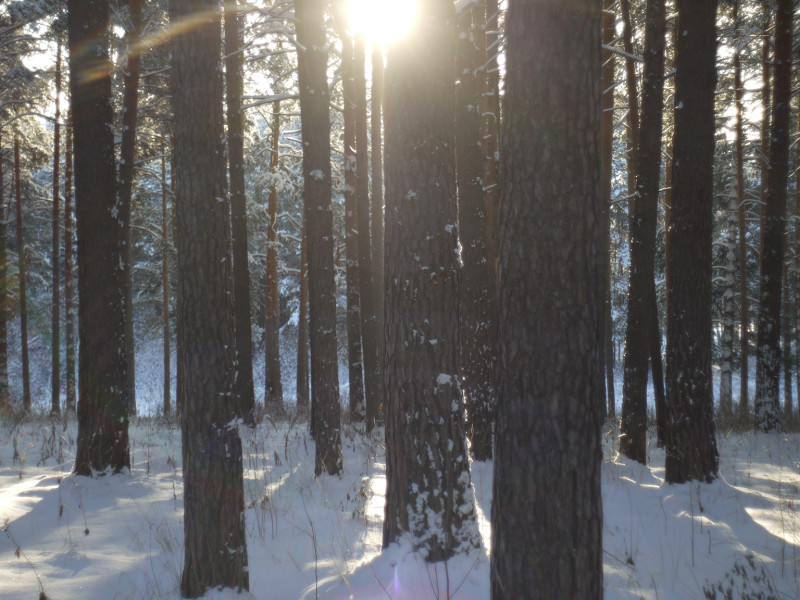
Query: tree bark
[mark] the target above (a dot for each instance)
(376, 135)
(768, 352)
(22, 284)
(546, 509)
(4, 288)
(130, 103)
(215, 549)
(69, 269)
(103, 360)
(639, 332)
(273, 386)
(234, 87)
(691, 450)
(314, 112)
(55, 314)
(607, 149)
(428, 491)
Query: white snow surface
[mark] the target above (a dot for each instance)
(121, 536)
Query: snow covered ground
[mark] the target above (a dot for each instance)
(121, 536)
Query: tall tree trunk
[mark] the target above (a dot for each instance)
(768, 353)
(691, 449)
(376, 136)
(607, 150)
(639, 332)
(314, 112)
(273, 386)
(728, 286)
(165, 333)
(366, 272)
(130, 104)
(102, 361)
(744, 285)
(633, 94)
(765, 119)
(55, 314)
(797, 260)
(354, 356)
(786, 330)
(302, 327)
(234, 87)
(477, 307)
(4, 288)
(215, 549)
(546, 512)
(23, 283)
(428, 491)
(69, 269)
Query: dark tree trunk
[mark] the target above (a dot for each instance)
(69, 269)
(314, 112)
(786, 331)
(130, 103)
(354, 356)
(102, 360)
(376, 135)
(215, 550)
(22, 279)
(607, 149)
(165, 334)
(234, 87)
(796, 286)
(428, 492)
(657, 371)
(477, 307)
(366, 272)
(4, 288)
(768, 353)
(639, 331)
(547, 512)
(55, 314)
(691, 450)
(302, 327)
(744, 286)
(765, 120)
(633, 94)
(273, 386)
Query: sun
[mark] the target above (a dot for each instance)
(382, 21)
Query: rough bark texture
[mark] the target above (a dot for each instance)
(607, 148)
(376, 135)
(215, 550)
(234, 87)
(547, 511)
(55, 308)
(644, 211)
(428, 491)
(314, 112)
(691, 450)
(22, 283)
(366, 272)
(69, 270)
(102, 360)
(478, 305)
(130, 104)
(354, 356)
(273, 386)
(768, 352)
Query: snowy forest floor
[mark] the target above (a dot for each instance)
(116, 537)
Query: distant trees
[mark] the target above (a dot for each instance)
(215, 548)
(546, 507)
(102, 364)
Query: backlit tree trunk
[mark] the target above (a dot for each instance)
(607, 148)
(376, 135)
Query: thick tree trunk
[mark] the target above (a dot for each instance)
(607, 150)
(477, 307)
(376, 135)
(691, 450)
(366, 271)
(130, 103)
(22, 284)
(428, 491)
(165, 330)
(69, 269)
(55, 314)
(547, 511)
(273, 385)
(797, 261)
(354, 355)
(234, 87)
(314, 112)
(102, 360)
(215, 549)
(768, 353)
(639, 332)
